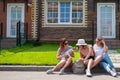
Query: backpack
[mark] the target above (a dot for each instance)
(78, 67)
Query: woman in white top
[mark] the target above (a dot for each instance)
(102, 57)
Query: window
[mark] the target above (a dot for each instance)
(70, 12)
(77, 12)
(52, 14)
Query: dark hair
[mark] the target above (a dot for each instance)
(62, 42)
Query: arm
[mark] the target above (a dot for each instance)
(59, 56)
(81, 56)
(89, 53)
(104, 46)
(72, 54)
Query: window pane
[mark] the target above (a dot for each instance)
(13, 13)
(65, 12)
(62, 10)
(52, 13)
(19, 12)
(77, 12)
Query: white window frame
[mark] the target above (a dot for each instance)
(9, 16)
(83, 22)
(98, 21)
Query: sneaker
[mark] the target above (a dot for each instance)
(50, 71)
(88, 73)
(114, 74)
(113, 69)
(61, 71)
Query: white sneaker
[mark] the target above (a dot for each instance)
(88, 73)
(50, 71)
(61, 71)
(113, 69)
(114, 74)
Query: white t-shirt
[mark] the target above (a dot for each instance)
(98, 50)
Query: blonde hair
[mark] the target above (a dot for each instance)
(100, 38)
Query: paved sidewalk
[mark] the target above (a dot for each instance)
(18, 75)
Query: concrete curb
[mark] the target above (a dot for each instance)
(24, 68)
(39, 68)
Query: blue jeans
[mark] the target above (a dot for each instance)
(106, 62)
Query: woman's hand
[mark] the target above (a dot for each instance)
(105, 47)
(82, 59)
(103, 42)
(64, 55)
(75, 48)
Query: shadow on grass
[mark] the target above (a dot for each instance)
(34, 47)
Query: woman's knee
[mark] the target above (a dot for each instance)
(103, 64)
(98, 59)
(62, 62)
(69, 59)
(91, 59)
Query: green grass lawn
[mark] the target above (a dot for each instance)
(29, 54)
(118, 50)
(32, 54)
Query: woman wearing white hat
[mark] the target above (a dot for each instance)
(87, 55)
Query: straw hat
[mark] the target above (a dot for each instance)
(81, 42)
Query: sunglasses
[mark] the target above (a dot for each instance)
(66, 43)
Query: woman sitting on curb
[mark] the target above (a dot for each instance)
(87, 55)
(64, 54)
(102, 57)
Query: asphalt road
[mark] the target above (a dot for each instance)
(36, 75)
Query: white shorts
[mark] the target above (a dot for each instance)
(62, 60)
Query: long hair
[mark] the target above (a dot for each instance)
(100, 38)
(62, 42)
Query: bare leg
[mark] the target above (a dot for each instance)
(90, 63)
(96, 61)
(88, 72)
(67, 62)
(59, 65)
(86, 62)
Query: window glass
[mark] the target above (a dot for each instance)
(52, 14)
(65, 12)
(77, 12)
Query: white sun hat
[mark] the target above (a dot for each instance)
(81, 42)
